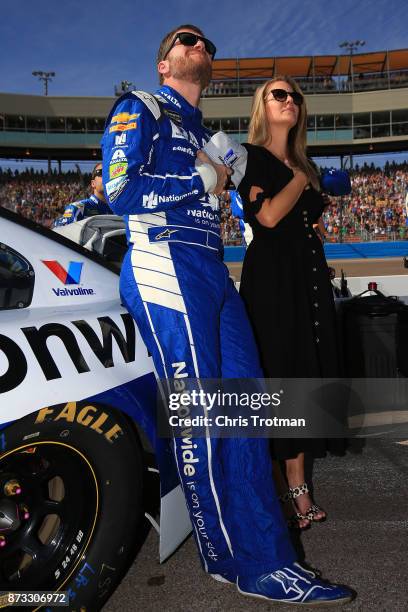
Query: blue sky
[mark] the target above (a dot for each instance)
(93, 44)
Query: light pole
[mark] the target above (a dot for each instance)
(351, 48)
(44, 76)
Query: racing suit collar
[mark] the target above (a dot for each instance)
(179, 103)
(95, 199)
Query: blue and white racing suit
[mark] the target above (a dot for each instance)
(83, 208)
(174, 283)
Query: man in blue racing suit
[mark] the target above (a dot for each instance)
(95, 204)
(176, 286)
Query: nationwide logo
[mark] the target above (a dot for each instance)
(120, 140)
(72, 276)
(230, 158)
(179, 132)
(153, 199)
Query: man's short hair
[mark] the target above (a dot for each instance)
(168, 39)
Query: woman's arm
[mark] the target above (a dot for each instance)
(274, 209)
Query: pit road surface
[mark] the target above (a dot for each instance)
(362, 544)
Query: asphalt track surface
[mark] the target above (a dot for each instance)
(362, 544)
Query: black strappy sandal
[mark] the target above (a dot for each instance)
(311, 512)
(293, 522)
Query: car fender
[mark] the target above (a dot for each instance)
(77, 342)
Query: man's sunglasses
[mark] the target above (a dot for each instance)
(189, 40)
(281, 95)
(97, 172)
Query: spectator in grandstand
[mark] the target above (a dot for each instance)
(39, 196)
(285, 281)
(237, 212)
(95, 204)
(377, 200)
(42, 197)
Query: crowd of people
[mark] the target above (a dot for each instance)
(230, 230)
(316, 84)
(376, 209)
(40, 196)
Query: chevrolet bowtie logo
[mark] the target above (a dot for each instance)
(166, 234)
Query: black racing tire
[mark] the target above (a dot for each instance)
(79, 520)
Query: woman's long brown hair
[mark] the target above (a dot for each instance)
(258, 132)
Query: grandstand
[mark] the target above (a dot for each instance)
(357, 104)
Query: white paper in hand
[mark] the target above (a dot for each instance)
(222, 149)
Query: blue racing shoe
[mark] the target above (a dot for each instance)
(294, 585)
(230, 578)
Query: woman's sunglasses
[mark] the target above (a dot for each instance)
(281, 95)
(189, 40)
(97, 172)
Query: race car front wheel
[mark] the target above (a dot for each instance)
(71, 503)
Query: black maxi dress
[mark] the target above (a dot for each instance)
(287, 291)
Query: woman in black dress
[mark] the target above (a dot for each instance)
(285, 281)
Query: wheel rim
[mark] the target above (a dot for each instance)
(49, 502)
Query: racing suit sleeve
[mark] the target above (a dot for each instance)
(72, 212)
(131, 173)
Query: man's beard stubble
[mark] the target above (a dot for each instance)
(186, 69)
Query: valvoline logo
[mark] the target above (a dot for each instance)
(72, 276)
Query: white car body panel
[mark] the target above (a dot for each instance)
(50, 303)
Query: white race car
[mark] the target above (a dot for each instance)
(77, 418)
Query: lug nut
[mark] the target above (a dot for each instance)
(12, 487)
(3, 541)
(24, 513)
